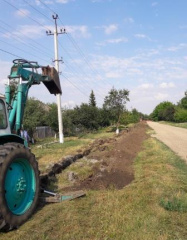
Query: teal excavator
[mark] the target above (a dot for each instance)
(19, 174)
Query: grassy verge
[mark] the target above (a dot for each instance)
(181, 125)
(47, 153)
(152, 207)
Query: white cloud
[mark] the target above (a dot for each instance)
(79, 31)
(22, 12)
(113, 75)
(37, 2)
(154, 4)
(63, 1)
(112, 41)
(110, 29)
(95, 1)
(161, 96)
(5, 71)
(48, 2)
(146, 86)
(32, 31)
(68, 104)
(117, 40)
(140, 36)
(177, 48)
(129, 20)
(167, 85)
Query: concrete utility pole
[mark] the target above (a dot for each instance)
(60, 125)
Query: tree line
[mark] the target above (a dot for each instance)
(86, 117)
(167, 111)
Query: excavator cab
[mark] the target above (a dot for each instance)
(3, 119)
(4, 124)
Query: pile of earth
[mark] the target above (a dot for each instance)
(117, 156)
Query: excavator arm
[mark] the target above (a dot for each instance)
(19, 173)
(26, 74)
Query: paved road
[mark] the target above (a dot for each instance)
(174, 137)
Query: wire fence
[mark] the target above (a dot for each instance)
(43, 132)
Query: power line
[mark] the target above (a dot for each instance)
(47, 6)
(62, 74)
(25, 14)
(37, 10)
(81, 52)
(20, 49)
(100, 94)
(11, 53)
(84, 82)
(70, 38)
(27, 37)
(23, 42)
(73, 42)
(75, 86)
(85, 58)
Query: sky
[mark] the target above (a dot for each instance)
(138, 45)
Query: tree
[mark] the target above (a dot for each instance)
(13, 87)
(131, 117)
(52, 116)
(163, 111)
(86, 116)
(34, 115)
(183, 101)
(115, 103)
(68, 125)
(92, 101)
(180, 115)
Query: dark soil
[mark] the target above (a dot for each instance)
(116, 157)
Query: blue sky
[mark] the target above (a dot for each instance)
(139, 45)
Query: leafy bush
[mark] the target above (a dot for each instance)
(163, 111)
(180, 115)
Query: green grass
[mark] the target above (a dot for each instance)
(137, 212)
(181, 125)
(47, 153)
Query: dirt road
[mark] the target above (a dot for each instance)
(174, 137)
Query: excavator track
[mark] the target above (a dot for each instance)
(19, 185)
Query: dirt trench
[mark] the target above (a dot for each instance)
(116, 157)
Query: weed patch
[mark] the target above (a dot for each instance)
(174, 203)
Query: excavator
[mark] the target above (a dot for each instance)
(19, 173)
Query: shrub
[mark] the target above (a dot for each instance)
(180, 115)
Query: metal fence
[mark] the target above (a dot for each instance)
(43, 132)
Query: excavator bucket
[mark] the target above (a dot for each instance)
(52, 84)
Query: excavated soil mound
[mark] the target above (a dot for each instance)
(116, 157)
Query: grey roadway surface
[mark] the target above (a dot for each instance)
(174, 137)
